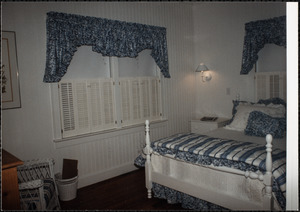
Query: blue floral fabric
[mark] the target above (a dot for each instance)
(190, 202)
(31, 198)
(259, 33)
(66, 32)
(186, 201)
(275, 101)
(140, 161)
(261, 124)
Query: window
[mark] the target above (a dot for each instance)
(276, 82)
(125, 93)
(139, 99)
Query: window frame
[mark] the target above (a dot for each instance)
(114, 74)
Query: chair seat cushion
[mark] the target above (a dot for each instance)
(31, 196)
(49, 190)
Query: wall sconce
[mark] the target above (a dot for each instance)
(206, 76)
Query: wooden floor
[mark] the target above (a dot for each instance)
(125, 192)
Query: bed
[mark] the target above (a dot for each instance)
(238, 167)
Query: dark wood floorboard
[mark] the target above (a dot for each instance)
(125, 192)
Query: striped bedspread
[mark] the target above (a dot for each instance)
(206, 150)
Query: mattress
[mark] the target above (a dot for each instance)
(237, 153)
(240, 136)
(208, 149)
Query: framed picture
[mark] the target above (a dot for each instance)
(10, 90)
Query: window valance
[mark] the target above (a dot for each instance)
(259, 33)
(66, 32)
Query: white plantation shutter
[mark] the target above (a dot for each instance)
(270, 85)
(136, 99)
(108, 101)
(87, 106)
(96, 107)
(130, 101)
(155, 98)
(261, 87)
(102, 104)
(145, 97)
(125, 100)
(81, 107)
(274, 86)
(139, 99)
(67, 107)
(98, 103)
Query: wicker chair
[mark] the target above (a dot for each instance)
(37, 185)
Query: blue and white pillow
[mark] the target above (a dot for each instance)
(275, 101)
(261, 124)
(272, 102)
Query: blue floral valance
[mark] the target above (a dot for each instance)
(259, 33)
(66, 32)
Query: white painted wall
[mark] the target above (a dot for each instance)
(28, 132)
(219, 37)
(196, 32)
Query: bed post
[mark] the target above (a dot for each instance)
(148, 150)
(268, 178)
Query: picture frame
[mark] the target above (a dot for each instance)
(10, 89)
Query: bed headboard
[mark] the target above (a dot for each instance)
(270, 85)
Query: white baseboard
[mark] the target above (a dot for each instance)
(104, 175)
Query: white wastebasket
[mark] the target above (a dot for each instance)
(67, 188)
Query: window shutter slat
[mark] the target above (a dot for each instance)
(125, 101)
(67, 108)
(140, 99)
(136, 105)
(108, 103)
(154, 99)
(145, 97)
(102, 105)
(81, 107)
(95, 101)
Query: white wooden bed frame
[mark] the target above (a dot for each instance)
(231, 188)
(213, 184)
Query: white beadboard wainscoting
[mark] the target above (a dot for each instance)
(106, 155)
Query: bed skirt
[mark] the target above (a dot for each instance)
(181, 170)
(186, 201)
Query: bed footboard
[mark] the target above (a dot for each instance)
(268, 177)
(266, 180)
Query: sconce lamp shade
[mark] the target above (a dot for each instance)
(201, 67)
(204, 74)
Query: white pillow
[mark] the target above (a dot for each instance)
(240, 120)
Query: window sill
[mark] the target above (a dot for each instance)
(84, 138)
